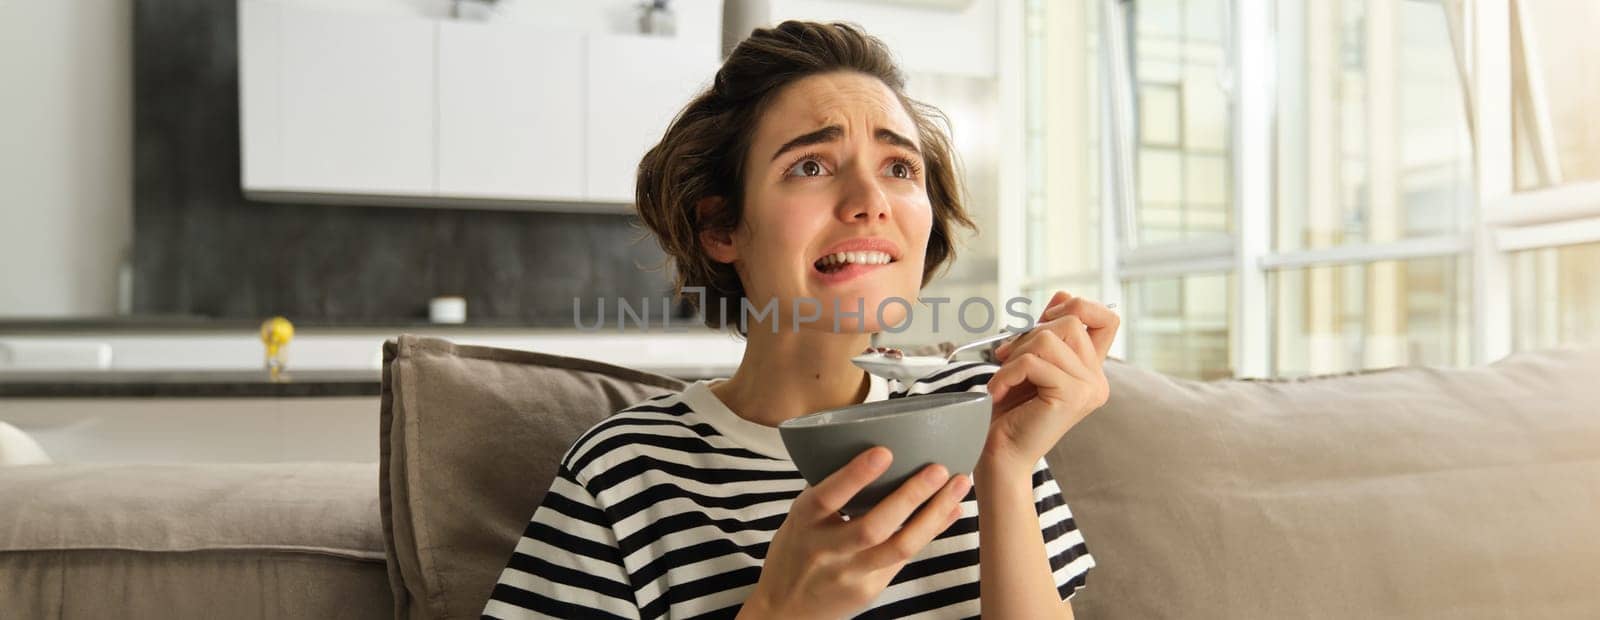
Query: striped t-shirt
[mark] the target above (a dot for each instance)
(667, 508)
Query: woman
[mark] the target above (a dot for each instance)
(804, 172)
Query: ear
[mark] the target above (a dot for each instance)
(718, 244)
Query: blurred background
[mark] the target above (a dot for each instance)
(1267, 188)
(215, 215)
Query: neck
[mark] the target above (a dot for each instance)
(794, 373)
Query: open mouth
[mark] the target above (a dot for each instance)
(837, 262)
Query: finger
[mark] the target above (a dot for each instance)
(1057, 299)
(829, 496)
(1092, 312)
(1102, 322)
(875, 527)
(1061, 328)
(1009, 346)
(1077, 338)
(1047, 379)
(1088, 379)
(1048, 345)
(933, 519)
(1057, 352)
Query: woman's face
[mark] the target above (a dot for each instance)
(836, 207)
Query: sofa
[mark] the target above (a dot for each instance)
(1402, 493)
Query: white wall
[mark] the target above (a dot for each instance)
(66, 146)
(695, 19)
(924, 38)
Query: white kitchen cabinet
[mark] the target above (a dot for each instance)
(637, 85)
(260, 95)
(383, 108)
(333, 102)
(509, 104)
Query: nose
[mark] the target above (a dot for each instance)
(863, 200)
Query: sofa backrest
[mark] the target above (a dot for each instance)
(1405, 493)
(471, 437)
(1402, 493)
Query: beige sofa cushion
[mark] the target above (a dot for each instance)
(17, 448)
(97, 584)
(471, 440)
(1408, 493)
(279, 540)
(328, 509)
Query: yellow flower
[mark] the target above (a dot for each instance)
(276, 332)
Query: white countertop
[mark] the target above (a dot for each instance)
(701, 353)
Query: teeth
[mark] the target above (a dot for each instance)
(858, 258)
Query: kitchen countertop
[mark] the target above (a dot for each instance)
(186, 384)
(188, 357)
(44, 325)
(222, 383)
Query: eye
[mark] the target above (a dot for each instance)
(901, 168)
(808, 166)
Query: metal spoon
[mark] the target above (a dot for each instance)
(892, 363)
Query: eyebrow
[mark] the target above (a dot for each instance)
(832, 133)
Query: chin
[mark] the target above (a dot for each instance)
(894, 313)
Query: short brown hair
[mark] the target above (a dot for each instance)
(703, 151)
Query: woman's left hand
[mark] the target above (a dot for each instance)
(1049, 379)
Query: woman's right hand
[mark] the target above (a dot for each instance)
(821, 566)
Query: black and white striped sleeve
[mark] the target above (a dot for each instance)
(567, 563)
(1070, 560)
(955, 377)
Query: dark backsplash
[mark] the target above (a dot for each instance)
(201, 248)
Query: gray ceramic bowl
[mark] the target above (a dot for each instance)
(948, 429)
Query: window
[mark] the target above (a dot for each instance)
(1296, 187)
(1334, 318)
(1062, 202)
(1553, 219)
(1180, 324)
(1374, 161)
(1182, 155)
(1182, 122)
(1557, 292)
